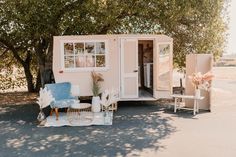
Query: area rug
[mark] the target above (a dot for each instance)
(84, 119)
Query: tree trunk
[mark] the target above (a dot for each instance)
(41, 60)
(44, 56)
(29, 78)
(49, 56)
(38, 82)
(25, 63)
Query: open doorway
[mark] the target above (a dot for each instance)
(145, 64)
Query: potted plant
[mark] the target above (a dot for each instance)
(107, 99)
(97, 78)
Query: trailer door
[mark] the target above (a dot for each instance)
(129, 68)
(162, 70)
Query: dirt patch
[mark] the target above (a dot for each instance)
(17, 98)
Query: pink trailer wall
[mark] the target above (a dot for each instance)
(83, 77)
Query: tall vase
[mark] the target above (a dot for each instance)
(197, 93)
(96, 106)
(107, 117)
(41, 116)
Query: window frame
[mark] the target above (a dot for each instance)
(77, 69)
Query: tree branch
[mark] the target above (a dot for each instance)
(68, 7)
(124, 13)
(4, 52)
(13, 49)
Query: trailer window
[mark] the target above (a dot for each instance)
(84, 55)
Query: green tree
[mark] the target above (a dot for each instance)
(27, 27)
(27, 30)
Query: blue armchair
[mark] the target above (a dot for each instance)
(62, 95)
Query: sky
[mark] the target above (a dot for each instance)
(231, 46)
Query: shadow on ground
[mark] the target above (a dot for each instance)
(136, 127)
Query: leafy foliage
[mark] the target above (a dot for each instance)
(27, 27)
(11, 76)
(11, 79)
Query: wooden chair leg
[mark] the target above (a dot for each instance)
(57, 114)
(51, 112)
(116, 106)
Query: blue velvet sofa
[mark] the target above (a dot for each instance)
(62, 95)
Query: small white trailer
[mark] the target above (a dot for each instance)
(138, 66)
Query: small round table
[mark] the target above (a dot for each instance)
(73, 112)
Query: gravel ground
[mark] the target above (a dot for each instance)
(139, 129)
(207, 134)
(136, 126)
(17, 98)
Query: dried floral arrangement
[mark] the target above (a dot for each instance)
(201, 81)
(45, 98)
(109, 97)
(96, 79)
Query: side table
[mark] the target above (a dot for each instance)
(73, 112)
(195, 105)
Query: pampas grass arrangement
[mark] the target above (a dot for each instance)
(96, 79)
(45, 98)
